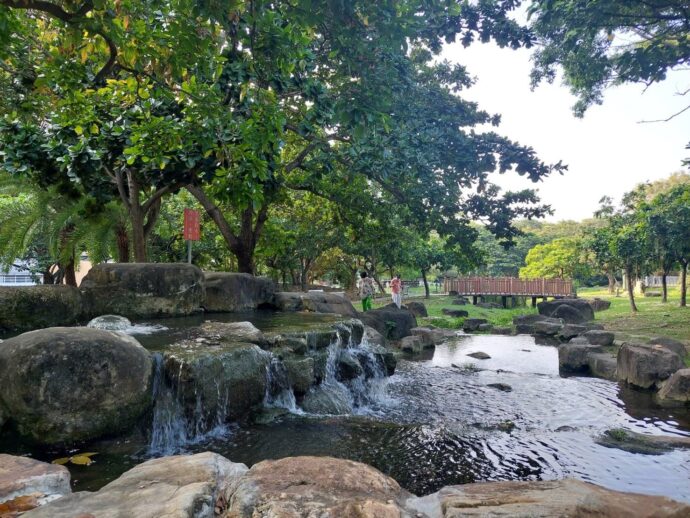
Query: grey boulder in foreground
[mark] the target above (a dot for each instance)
(207, 485)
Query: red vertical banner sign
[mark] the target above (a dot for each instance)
(191, 225)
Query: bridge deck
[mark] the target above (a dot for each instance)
(510, 286)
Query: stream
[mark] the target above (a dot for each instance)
(437, 422)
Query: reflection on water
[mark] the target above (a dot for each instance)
(440, 424)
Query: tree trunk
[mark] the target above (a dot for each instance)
(48, 277)
(245, 258)
(70, 276)
(378, 283)
(426, 285)
(304, 272)
(631, 289)
(683, 284)
(138, 237)
(664, 288)
(612, 282)
(243, 245)
(122, 240)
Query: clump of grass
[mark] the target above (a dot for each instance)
(617, 434)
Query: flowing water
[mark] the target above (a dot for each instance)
(435, 422)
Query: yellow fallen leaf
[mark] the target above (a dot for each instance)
(80, 460)
(87, 454)
(61, 461)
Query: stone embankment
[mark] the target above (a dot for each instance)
(208, 485)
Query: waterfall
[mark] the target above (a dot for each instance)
(355, 379)
(194, 400)
(172, 428)
(278, 391)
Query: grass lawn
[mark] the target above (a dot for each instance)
(434, 305)
(654, 317)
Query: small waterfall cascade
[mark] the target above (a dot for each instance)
(279, 394)
(199, 392)
(173, 426)
(355, 377)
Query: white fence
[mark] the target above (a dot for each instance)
(654, 281)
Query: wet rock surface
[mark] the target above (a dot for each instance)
(226, 380)
(110, 323)
(676, 390)
(575, 356)
(143, 290)
(61, 385)
(634, 442)
(34, 307)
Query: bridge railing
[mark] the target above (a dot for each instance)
(509, 286)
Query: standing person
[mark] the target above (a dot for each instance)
(396, 290)
(366, 291)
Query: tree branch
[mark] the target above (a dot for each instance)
(668, 118)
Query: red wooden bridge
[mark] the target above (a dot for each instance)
(509, 287)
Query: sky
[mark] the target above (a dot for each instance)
(608, 152)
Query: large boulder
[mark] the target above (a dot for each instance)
(233, 292)
(31, 482)
(670, 344)
(300, 373)
(599, 304)
(574, 355)
(315, 486)
(471, 325)
(328, 399)
(412, 344)
(318, 302)
(525, 324)
(391, 322)
(570, 331)
(455, 313)
(35, 307)
(585, 313)
(429, 337)
(61, 384)
(602, 365)
(418, 309)
(373, 337)
(549, 327)
(567, 498)
(227, 380)
(646, 365)
(143, 290)
(569, 314)
(676, 391)
(189, 486)
(603, 338)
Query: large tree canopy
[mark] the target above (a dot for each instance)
(241, 101)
